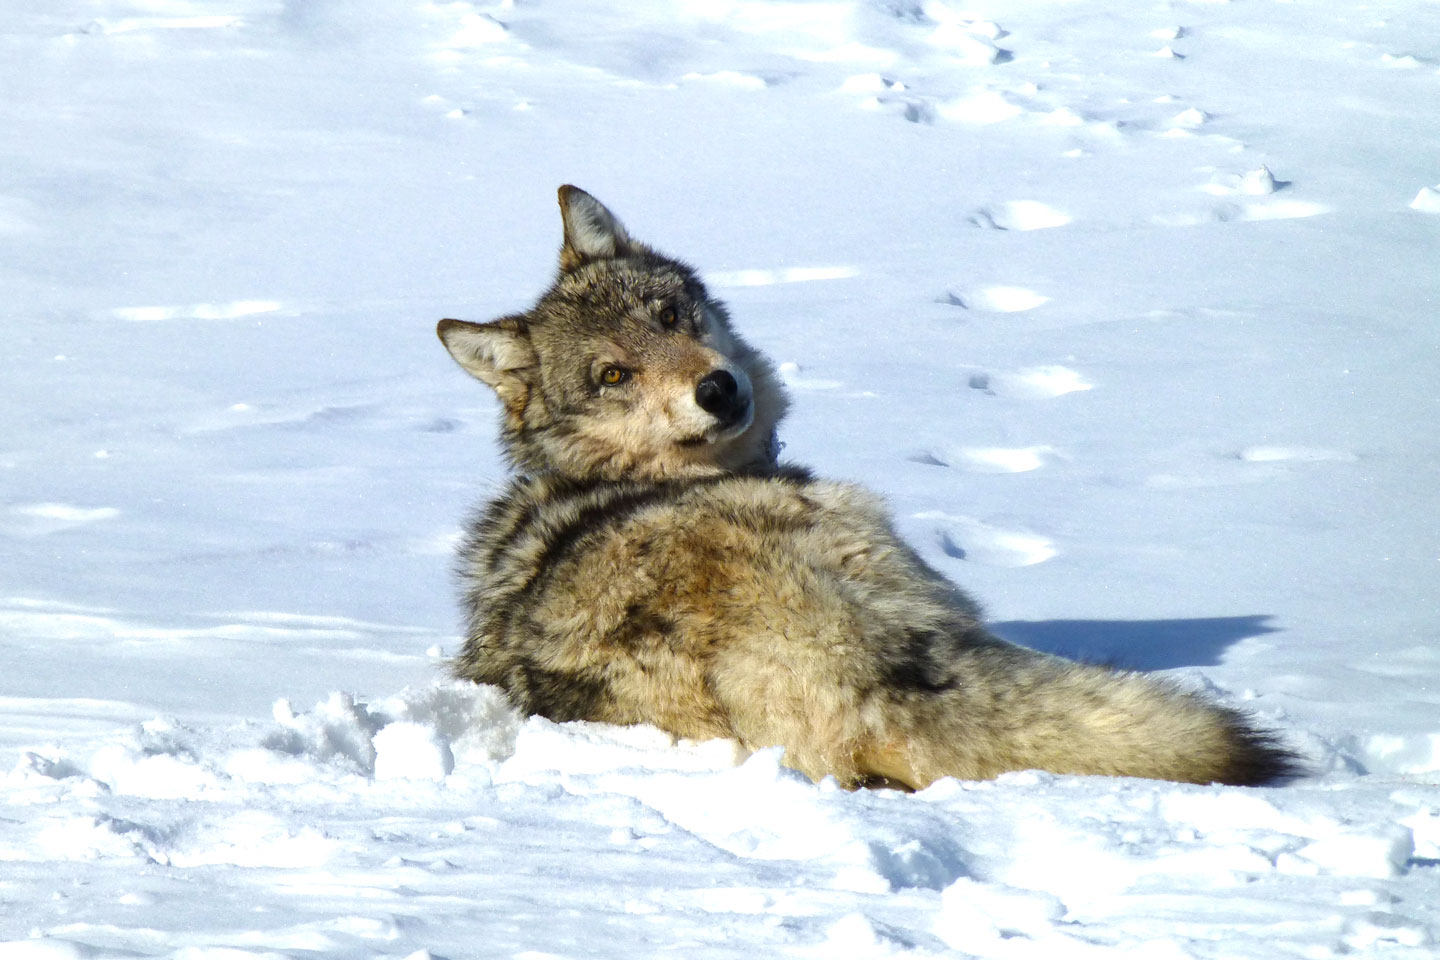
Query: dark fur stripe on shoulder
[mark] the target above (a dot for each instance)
(558, 518)
(605, 510)
(791, 473)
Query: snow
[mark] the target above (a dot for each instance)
(1127, 309)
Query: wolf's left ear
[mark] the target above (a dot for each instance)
(497, 353)
(591, 231)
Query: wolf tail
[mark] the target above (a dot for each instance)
(1016, 709)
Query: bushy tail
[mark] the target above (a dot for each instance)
(1014, 709)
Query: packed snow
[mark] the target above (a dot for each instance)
(1128, 309)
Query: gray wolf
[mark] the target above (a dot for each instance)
(652, 562)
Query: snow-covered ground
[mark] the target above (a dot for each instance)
(1130, 309)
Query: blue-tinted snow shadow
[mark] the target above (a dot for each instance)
(1137, 644)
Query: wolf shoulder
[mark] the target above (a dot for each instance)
(659, 536)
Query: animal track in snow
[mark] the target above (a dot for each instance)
(1276, 210)
(132, 24)
(728, 78)
(1416, 753)
(994, 299)
(242, 416)
(1191, 118)
(319, 416)
(39, 519)
(1006, 459)
(983, 107)
(446, 107)
(988, 459)
(1039, 383)
(199, 311)
(471, 29)
(1272, 454)
(966, 538)
(1245, 212)
(1404, 61)
(1019, 215)
(795, 379)
(1259, 182)
(871, 83)
(765, 278)
(971, 42)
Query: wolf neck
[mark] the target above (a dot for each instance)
(553, 451)
(548, 484)
(746, 456)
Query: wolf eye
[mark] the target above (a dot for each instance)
(668, 317)
(611, 376)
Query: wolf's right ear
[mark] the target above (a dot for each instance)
(498, 353)
(591, 231)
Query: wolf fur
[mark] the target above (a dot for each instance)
(652, 563)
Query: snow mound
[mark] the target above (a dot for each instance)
(1427, 200)
(405, 798)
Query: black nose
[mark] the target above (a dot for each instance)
(719, 395)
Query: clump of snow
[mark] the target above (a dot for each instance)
(405, 750)
(977, 918)
(1381, 854)
(1191, 118)
(1427, 200)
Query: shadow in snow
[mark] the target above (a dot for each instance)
(1137, 644)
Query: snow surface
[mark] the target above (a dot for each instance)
(1128, 308)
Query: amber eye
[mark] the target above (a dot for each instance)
(610, 376)
(668, 316)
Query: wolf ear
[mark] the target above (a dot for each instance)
(591, 231)
(498, 353)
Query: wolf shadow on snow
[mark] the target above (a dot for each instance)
(1144, 645)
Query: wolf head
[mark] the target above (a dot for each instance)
(625, 369)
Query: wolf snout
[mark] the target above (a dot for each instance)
(719, 395)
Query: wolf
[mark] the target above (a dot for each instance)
(652, 561)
